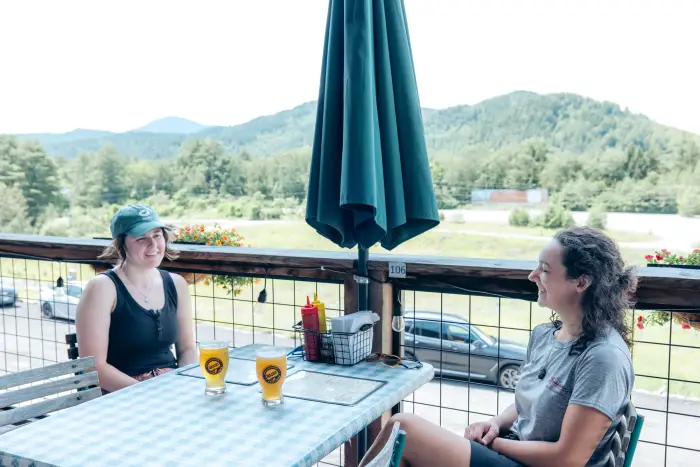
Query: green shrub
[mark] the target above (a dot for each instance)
(689, 201)
(272, 213)
(555, 217)
(597, 217)
(254, 212)
(519, 217)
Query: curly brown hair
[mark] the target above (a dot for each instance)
(588, 251)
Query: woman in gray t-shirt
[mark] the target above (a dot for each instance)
(575, 381)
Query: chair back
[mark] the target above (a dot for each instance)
(390, 455)
(59, 380)
(625, 438)
(72, 341)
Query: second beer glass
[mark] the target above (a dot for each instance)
(271, 368)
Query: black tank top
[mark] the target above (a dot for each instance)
(140, 339)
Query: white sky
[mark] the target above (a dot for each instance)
(116, 65)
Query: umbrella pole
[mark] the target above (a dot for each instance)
(362, 304)
(363, 283)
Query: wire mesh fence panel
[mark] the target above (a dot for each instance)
(39, 301)
(476, 344)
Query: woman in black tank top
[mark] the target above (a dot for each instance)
(130, 317)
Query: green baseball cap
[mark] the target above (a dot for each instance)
(135, 220)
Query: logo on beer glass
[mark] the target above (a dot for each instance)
(271, 374)
(214, 365)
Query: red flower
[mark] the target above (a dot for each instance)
(648, 257)
(640, 325)
(685, 325)
(659, 257)
(665, 251)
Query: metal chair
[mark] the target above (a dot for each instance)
(55, 379)
(390, 455)
(626, 437)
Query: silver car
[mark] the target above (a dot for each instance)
(61, 302)
(456, 348)
(8, 295)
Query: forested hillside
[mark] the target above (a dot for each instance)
(587, 153)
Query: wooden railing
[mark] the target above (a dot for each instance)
(659, 288)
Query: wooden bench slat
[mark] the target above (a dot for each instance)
(50, 405)
(49, 371)
(47, 389)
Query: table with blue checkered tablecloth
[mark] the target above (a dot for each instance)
(168, 420)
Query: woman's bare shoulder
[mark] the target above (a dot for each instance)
(100, 290)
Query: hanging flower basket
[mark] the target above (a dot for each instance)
(687, 321)
(197, 234)
(666, 259)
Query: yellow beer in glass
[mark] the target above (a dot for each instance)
(213, 360)
(271, 368)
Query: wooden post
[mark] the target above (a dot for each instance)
(380, 302)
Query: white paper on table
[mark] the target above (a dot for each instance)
(333, 389)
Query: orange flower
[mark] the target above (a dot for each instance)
(218, 242)
(201, 228)
(224, 238)
(208, 243)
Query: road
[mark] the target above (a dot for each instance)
(29, 341)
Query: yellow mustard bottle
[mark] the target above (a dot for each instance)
(322, 327)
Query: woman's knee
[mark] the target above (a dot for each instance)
(405, 420)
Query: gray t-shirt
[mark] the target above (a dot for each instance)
(601, 377)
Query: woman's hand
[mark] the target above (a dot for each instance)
(482, 432)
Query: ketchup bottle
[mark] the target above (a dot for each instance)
(309, 319)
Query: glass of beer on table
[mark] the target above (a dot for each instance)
(213, 360)
(271, 368)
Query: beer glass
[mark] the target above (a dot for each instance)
(213, 360)
(271, 368)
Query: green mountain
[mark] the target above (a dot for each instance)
(565, 121)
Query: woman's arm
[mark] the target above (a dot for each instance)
(186, 345)
(93, 317)
(582, 429)
(505, 419)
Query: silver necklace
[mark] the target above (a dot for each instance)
(145, 296)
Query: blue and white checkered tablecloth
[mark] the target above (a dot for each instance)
(169, 421)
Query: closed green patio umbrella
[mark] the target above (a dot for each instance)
(370, 178)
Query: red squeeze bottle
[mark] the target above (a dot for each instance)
(309, 319)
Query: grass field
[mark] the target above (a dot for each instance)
(535, 231)
(444, 241)
(286, 297)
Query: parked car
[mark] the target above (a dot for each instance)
(456, 348)
(8, 295)
(61, 302)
